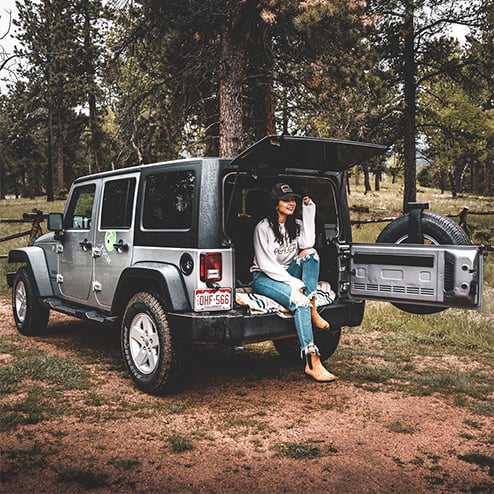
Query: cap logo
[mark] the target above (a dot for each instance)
(285, 188)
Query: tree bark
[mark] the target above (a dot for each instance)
(231, 113)
(49, 159)
(95, 133)
(367, 184)
(233, 54)
(409, 116)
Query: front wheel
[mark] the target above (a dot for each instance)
(148, 346)
(326, 341)
(30, 316)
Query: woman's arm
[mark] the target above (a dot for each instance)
(307, 236)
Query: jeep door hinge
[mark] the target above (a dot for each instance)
(59, 278)
(96, 286)
(58, 249)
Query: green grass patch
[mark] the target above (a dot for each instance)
(37, 406)
(299, 451)
(400, 428)
(479, 459)
(180, 443)
(15, 208)
(448, 382)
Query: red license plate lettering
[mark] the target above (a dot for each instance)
(210, 299)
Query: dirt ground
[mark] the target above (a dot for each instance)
(244, 422)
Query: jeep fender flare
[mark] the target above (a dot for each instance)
(166, 279)
(34, 258)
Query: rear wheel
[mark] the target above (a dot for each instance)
(148, 347)
(326, 341)
(30, 316)
(437, 230)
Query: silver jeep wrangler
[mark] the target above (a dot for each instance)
(164, 250)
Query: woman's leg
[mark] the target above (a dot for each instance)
(299, 306)
(301, 309)
(306, 268)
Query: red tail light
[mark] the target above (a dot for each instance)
(210, 266)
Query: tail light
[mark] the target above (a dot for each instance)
(210, 266)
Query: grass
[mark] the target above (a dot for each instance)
(180, 443)
(479, 459)
(299, 451)
(15, 208)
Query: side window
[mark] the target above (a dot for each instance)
(118, 202)
(80, 208)
(168, 199)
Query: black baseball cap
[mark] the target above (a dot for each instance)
(284, 192)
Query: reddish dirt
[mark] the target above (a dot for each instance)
(240, 412)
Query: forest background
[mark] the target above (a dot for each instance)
(93, 85)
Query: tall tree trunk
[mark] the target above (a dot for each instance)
(377, 181)
(367, 184)
(233, 57)
(95, 132)
(409, 116)
(262, 101)
(231, 112)
(212, 129)
(59, 158)
(49, 158)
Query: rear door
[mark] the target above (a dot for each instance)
(113, 241)
(432, 275)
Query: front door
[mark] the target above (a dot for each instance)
(433, 275)
(76, 250)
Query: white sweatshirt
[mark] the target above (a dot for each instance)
(272, 258)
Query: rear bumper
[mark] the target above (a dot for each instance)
(237, 327)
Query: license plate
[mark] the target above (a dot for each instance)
(207, 299)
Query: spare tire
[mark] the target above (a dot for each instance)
(436, 230)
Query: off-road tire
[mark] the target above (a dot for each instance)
(437, 230)
(326, 341)
(149, 350)
(30, 316)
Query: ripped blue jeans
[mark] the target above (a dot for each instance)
(306, 269)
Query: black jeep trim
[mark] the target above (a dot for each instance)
(236, 327)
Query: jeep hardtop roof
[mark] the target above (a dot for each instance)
(280, 153)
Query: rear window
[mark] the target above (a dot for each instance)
(168, 200)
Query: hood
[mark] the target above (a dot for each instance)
(306, 153)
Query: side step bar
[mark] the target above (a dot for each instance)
(79, 312)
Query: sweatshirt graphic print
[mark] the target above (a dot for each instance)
(274, 259)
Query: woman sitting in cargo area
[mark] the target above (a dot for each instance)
(286, 268)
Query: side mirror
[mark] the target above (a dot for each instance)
(55, 222)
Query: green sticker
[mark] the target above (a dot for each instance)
(110, 239)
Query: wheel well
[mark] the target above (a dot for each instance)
(132, 285)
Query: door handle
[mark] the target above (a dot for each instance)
(86, 245)
(121, 246)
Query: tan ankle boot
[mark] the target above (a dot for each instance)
(315, 369)
(317, 320)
